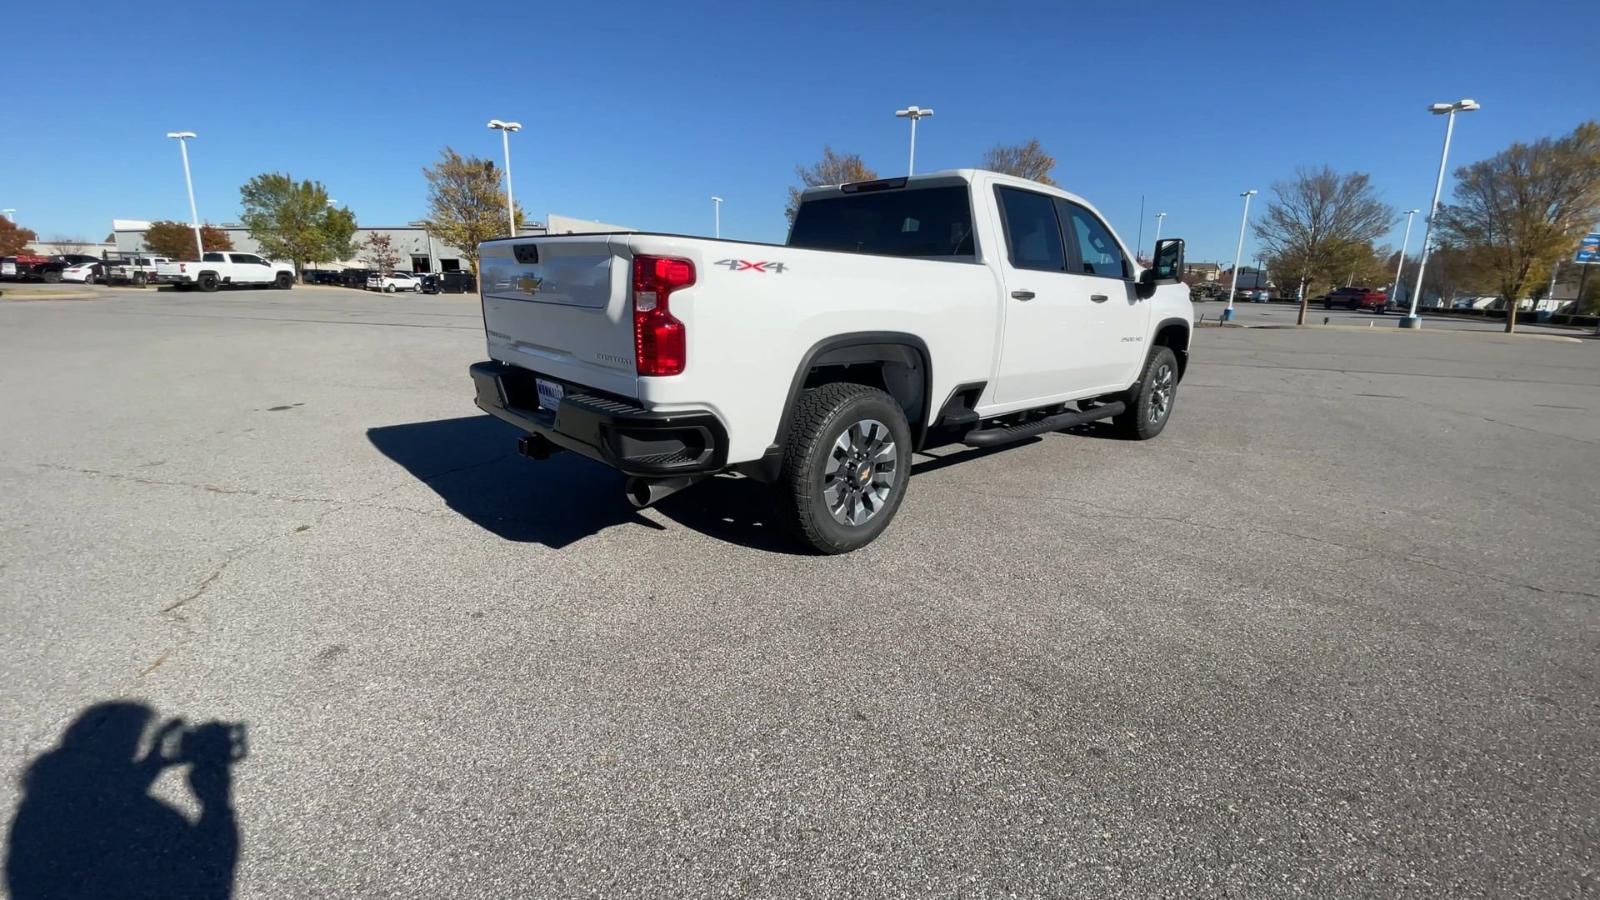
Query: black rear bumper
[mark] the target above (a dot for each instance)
(610, 430)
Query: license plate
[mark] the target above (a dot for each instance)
(550, 394)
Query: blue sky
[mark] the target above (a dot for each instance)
(636, 112)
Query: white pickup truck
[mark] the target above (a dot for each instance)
(905, 313)
(217, 268)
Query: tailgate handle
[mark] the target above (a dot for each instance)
(525, 253)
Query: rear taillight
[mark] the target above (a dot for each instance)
(183, 267)
(659, 342)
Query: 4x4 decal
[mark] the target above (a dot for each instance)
(745, 265)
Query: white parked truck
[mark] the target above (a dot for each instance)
(905, 313)
(217, 268)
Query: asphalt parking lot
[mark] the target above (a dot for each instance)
(1333, 633)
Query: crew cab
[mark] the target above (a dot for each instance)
(963, 306)
(1357, 298)
(217, 268)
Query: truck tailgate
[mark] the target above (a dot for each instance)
(560, 307)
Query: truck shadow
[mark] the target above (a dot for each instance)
(473, 465)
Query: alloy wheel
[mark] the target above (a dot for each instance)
(860, 473)
(1161, 387)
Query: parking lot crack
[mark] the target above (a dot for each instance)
(208, 488)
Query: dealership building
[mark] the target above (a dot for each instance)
(418, 251)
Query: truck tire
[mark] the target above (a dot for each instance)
(284, 281)
(1151, 406)
(207, 282)
(50, 277)
(845, 466)
(140, 279)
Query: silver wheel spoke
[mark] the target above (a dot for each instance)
(859, 475)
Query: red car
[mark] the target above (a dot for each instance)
(1358, 298)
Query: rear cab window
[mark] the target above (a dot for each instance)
(924, 222)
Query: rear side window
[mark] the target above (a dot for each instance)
(934, 222)
(1033, 237)
(213, 257)
(1098, 252)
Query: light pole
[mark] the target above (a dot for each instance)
(505, 129)
(183, 138)
(716, 203)
(1448, 110)
(10, 214)
(1400, 267)
(1238, 253)
(913, 113)
(1159, 217)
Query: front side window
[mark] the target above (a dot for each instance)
(1033, 237)
(1099, 253)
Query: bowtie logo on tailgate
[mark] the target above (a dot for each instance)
(745, 265)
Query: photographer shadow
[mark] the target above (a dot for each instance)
(87, 825)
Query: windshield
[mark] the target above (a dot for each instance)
(934, 221)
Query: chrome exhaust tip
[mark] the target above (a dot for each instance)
(644, 492)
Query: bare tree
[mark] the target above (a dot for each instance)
(833, 168)
(69, 244)
(1320, 224)
(1526, 206)
(1027, 160)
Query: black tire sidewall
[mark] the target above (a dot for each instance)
(1135, 423)
(804, 472)
(207, 283)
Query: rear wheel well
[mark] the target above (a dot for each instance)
(1174, 335)
(895, 364)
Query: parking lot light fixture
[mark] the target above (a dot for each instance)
(716, 203)
(505, 129)
(1159, 217)
(1404, 241)
(183, 138)
(1238, 254)
(10, 214)
(1448, 110)
(913, 113)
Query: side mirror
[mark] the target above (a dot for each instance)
(1165, 268)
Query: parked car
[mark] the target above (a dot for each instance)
(84, 273)
(355, 278)
(394, 281)
(449, 283)
(1357, 298)
(904, 313)
(218, 268)
(134, 270)
(26, 267)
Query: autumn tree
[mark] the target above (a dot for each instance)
(1026, 160)
(1320, 224)
(833, 168)
(295, 221)
(466, 205)
(14, 240)
(175, 240)
(1525, 207)
(378, 250)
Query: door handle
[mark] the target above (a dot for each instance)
(1022, 295)
(1099, 298)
